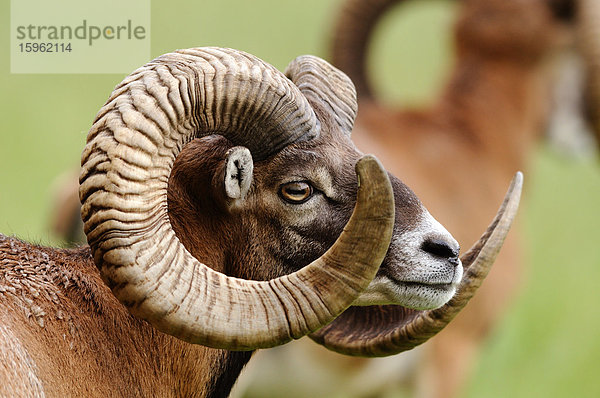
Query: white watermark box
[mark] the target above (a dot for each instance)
(79, 36)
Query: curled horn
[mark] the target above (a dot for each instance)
(126, 164)
(387, 330)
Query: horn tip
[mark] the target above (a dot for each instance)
(518, 178)
(516, 185)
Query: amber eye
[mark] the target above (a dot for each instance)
(296, 192)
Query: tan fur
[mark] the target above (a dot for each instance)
(57, 299)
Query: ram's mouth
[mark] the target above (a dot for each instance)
(445, 284)
(425, 293)
(434, 286)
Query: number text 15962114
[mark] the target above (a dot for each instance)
(44, 47)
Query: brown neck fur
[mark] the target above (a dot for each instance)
(64, 332)
(197, 203)
(194, 204)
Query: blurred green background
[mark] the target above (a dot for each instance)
(549, 343)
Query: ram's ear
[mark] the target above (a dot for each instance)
(237, 176)
(323, 84)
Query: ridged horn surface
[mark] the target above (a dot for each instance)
(126, 164)
(322, 83)
(387, 330)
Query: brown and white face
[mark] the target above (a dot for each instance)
(221, 203)
(421, 270)
(282, 213)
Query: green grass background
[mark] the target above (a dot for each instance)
(549, 343)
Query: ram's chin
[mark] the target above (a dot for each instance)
(414, 295)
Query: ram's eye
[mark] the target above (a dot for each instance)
(296, 192)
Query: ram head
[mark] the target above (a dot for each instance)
(221, 202)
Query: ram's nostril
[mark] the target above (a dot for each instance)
(441, 248)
